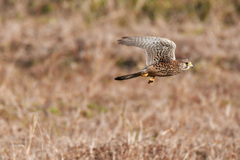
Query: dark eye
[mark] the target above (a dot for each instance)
(186, 63)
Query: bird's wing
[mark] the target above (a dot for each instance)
(156, 48)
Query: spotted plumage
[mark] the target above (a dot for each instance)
(160, 57)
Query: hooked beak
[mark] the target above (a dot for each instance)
(190, 64)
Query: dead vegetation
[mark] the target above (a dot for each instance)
(59, 100)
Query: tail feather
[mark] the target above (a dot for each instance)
(129, 76)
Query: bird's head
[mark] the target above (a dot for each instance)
(185, 64)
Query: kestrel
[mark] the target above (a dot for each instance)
(160, 57)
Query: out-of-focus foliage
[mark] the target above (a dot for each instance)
(178, 10)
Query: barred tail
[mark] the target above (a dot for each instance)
(134, 75)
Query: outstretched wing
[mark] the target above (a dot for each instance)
(156, 48)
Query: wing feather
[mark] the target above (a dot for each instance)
(156, 48)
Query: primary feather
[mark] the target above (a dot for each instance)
(156, 48)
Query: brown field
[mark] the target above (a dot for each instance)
(59, 99)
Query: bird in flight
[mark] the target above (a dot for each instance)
(160, 57)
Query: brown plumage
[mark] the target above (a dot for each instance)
(160, 57)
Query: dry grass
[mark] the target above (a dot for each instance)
(59, 100)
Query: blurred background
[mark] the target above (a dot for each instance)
(59, 99)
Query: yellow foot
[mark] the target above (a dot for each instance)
(151, 80)
(144, 75)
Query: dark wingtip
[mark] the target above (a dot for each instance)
(120, 41)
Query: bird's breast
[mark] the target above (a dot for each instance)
(165, 69)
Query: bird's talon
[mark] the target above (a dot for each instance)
(151, 80)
